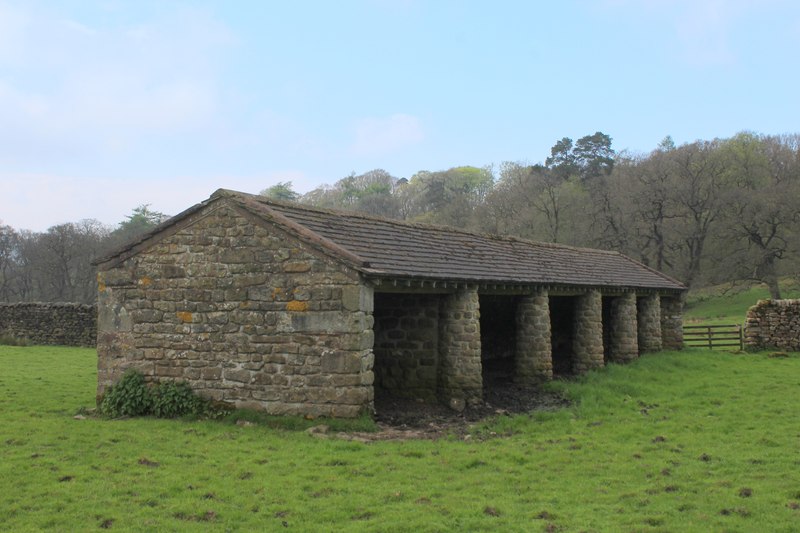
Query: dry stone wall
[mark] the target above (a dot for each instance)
(773, 324)
(245, 314)
(64, 324)
(406, 344)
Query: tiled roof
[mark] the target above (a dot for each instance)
(389, 248)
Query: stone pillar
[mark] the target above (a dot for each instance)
(460, 371)
(672, 322)
(587, 345)
(623, 345)
(649, 319)
(533, 357)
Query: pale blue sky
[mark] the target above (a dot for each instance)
(109, 104)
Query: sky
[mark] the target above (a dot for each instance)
(106, 105)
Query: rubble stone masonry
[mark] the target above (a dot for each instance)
(245, 314)
(64, 324)
(534, 359)
(649, 323)
(406, 344)
(587, 344)
(672, 322)
(460, 371)
(623, 332)
(773, 324)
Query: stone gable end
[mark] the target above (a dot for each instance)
(245, 313)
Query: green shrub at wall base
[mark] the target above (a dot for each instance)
(130, 396)
(171, 400)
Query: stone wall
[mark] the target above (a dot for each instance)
(65, 324)
(406, 344)
(773, 324)
(245, 314)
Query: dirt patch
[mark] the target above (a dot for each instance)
(401, 418)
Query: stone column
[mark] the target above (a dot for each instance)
(460, 371)
(533, 357)
(587, 345)
(623, 345)
(649, 320)
(672, 322)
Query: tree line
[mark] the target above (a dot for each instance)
(704, 212)
(55, 265)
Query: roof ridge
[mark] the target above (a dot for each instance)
(418, 225)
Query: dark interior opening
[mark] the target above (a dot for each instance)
(607, 302)
(498, 338)
(406, 346)
(562, 326)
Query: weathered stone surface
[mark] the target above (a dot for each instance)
(534, 358)
(460, 376)
(672, 322)
(64, 324)
(407, 344)
(623, 335)
(773, 324)
(648, 319)
(288, 333)
(587, 344)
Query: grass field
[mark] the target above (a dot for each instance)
(692, 441)
(726, 304)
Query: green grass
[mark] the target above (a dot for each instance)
(692, 441)
(726, 304)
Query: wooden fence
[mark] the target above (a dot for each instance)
(717, 336)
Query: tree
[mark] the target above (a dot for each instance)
(281, 191)
(9, 243)
(763, 214)
(594, 156)
(589, 158)
(372, 192)
(141, 220)
(451, 196)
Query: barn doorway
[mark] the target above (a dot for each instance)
(562, 333)
(406, 328)
(498, 339)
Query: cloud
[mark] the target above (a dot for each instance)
(93, 87)
(380, 136)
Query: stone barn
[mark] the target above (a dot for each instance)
(297, 310)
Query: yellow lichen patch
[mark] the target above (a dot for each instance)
(184, 316)
(277, 291)
(297, 305)
(101, 286)
(145, 281)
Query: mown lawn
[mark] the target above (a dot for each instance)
(692, 441)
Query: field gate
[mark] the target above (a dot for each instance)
(716, 336)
